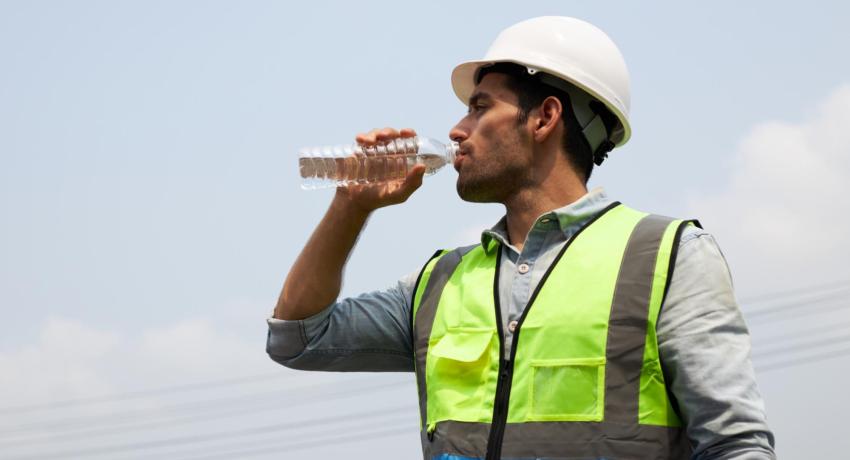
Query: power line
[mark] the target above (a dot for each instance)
(819, 305)
(206, 438)
(805, 333)
(840, 284)
(140, 394)
(82, 426)
(810, 310)
(204, 404)
(307, 444)
(801, 347)
(134, 414)
(804, 360)
(797, 303)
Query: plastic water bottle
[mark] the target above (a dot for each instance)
(333, 166)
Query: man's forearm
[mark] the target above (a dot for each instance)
(316, 277)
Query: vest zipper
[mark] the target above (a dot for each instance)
(503, 384)
(500, 410)
(506, 367)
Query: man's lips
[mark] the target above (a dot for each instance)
(459, 158)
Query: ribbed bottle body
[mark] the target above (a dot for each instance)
(341, 165)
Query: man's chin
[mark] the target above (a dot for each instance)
(474, 193)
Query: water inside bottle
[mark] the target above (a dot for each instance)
(364, 169)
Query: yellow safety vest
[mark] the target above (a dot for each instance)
(583, 380)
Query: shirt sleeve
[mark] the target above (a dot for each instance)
(369, 332)
(704, 347)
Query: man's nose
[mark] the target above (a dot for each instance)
(458, 133)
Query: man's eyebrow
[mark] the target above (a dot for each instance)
(478, 96)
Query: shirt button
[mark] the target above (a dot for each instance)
(523, 268)
(512, 326)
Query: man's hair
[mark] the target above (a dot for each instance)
(530, 94)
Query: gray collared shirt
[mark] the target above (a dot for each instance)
(703, 342)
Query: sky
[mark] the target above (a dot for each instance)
(150, 205)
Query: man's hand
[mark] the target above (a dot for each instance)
(316, 277)
(368, 197)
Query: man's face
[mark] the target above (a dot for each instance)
(494, 161)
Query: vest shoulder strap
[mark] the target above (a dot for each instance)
(432, 279)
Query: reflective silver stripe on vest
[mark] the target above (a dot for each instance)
(425, 315)
(628, 321)
(562, 440)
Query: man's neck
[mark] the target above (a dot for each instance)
(523, 209)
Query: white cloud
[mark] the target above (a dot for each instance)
(196, 346)
(785, 212)
(64, 362)
(782, 220)
(72, 360)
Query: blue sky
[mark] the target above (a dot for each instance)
(151, 208)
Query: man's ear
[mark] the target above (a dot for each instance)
(547, 119)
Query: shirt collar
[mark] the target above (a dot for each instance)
(569, 218)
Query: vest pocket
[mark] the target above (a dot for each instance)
(567, 389)
(464, 344)
(458, 365)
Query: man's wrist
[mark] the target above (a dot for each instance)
(344, 206)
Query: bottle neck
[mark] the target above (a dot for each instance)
(451, 151)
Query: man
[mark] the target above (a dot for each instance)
(632, 345)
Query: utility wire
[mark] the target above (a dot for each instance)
(840, 284)
(810, 310)
(204, 404)
(799, 303)
(285, 449)
(141, 393)
(135, 414)
(212, 437)
(811, 332)
(82, 428)
(819, 305)
(801, 347)
(833, 354)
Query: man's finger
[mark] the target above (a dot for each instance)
(386, 134)
(369, 138)
(413, 180)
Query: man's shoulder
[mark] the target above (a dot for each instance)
(699, 247)
(692, 229)
(692, 232)
(693, 237)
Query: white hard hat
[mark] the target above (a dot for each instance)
(585, 61)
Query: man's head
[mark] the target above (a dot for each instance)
(512, 117)
(531, 93)
(550, 63)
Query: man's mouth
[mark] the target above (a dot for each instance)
(458, 160)
(461, 154)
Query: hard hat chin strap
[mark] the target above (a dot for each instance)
(597, 136)
(587, 111)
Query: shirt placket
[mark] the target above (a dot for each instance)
(524, 272)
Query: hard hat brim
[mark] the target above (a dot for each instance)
(463, 84)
